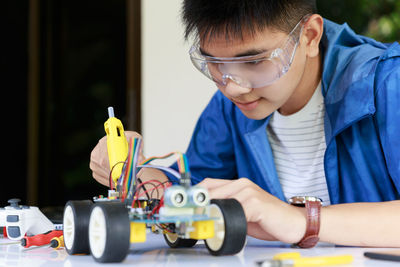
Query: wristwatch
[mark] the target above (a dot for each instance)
(313, 206)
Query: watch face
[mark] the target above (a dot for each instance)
(301, 200)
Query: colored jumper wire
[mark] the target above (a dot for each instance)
(128, 179)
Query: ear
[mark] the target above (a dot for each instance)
(312, 33)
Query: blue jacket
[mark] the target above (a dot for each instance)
(361, 88)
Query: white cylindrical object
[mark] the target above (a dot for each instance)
(198, 196)
(175, 196)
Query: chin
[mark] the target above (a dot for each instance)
(256, 115)
(262, 111)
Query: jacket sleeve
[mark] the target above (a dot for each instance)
(211, 151)
(388, 115)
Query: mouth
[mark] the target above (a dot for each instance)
(246, 105)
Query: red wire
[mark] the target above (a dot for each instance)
(141, 184)
(111, 183)
(110, 176)
(147, 190)
(157, 208)
(152, 189)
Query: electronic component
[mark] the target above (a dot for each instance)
(20, 220)
(198, 196)
(175, 196)
(181, 212)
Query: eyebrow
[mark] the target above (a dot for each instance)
(250, 52)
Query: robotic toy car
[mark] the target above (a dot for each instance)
(184, 214)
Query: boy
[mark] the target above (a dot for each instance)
(306, 110)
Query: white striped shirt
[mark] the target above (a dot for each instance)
(298, 146)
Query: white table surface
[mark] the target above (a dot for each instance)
(155, 252)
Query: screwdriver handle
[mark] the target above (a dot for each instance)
(40, 239)
(117, 145)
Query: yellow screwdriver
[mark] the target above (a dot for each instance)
(117, 145)
(294, 259)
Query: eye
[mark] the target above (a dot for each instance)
(255, 62)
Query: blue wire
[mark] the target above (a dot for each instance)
(186, 163)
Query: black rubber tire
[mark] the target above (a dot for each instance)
(235, 230)
(81, 213)
(117, 232)
(180, 242)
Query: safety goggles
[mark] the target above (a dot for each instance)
(253, 71)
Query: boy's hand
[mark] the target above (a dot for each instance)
(268, 217)
(99, 163)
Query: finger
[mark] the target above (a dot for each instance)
(255, 230)
(211, 183)
(228, 190)
(99, 170)
(255, 202)
(99, 162)
(141, 156)
(252, 211)
(99, 153)
(101, 179)
(246, 198)
(267, 211)
(102, 143)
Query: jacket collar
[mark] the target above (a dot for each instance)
(349, 63)
(347, 84)
(258, 141)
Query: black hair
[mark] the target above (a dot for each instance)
(212, 18)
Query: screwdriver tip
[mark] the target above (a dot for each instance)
(110, 112)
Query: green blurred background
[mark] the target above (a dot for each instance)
(82, 68)
(379, 19)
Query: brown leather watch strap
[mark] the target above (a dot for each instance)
(311, 238)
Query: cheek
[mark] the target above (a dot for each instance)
(296, 71)
(278, 92)
(281, 90)
(222, 90)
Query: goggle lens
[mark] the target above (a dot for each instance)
(251, 71)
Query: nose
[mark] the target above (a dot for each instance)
(235, 90)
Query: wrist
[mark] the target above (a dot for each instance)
(301, 224)
(291, 225)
